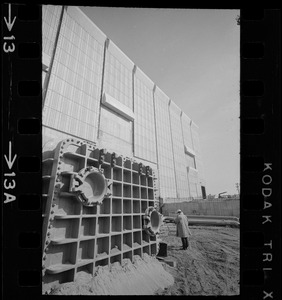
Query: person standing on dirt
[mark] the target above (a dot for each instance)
(182, 228)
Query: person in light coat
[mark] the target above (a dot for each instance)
(182, 228)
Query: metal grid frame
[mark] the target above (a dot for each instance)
(78, 237)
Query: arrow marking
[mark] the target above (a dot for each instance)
(10, 161)
(9, 23)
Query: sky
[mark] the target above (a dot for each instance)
(193, 55)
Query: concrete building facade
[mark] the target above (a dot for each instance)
(93, 91)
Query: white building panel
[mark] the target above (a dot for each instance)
(178, 150)
(144, 124)
(185, 122)
(118, 75)
(115, 133)
(164, 145)
(50, 21)
(74, 82)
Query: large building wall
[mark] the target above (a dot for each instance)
(93, 91)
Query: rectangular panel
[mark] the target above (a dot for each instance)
(200, 169)
(178, 150)
(185, 122)
(118, 76)
(74, 89)
(195, 138)
(50, 21)
(117, 107)
(144, 125)
(198, 159)
(115, 132)
(164, 146)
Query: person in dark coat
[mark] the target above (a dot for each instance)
(182, 228)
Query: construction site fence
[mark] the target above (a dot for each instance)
(216, 207)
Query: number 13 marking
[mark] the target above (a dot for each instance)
(8, 48)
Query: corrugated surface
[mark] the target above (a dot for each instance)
(187, 137)
(115, 133)
(193, 183)
(165, 154)
(228, 207)
(178, 149)
(118, 76)
(50, 22)
(144, 125)
(73, 96)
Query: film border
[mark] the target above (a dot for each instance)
(260, 153)
(260, 147)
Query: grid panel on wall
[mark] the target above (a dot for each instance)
(190, 161)
(81, 238)
(198, 158)
(73, 96)
(115, 133)
(185, 120)
(193, 182)
(144, 127)
(50, 22)
(201, 179)
(195, 139)
(178, 149)
(165, 154)
(118, 80)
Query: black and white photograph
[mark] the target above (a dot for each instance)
(140, 151)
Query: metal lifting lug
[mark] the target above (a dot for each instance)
(140, 169)
(113, 159)
(103, 151)
(88, 169)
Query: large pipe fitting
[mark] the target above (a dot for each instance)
(89, 186)
(152, 221)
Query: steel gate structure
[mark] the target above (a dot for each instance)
(98, 209)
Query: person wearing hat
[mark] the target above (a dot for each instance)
(182, 228)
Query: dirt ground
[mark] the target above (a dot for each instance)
(140, 277)
(209, 267)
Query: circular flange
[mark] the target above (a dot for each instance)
(152, 221)
(89, 185)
